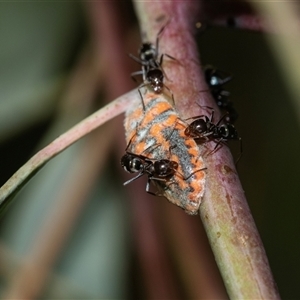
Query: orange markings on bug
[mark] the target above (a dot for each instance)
(141, 147)
(158, 133)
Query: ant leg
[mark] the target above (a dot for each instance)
(134, 74)
(130, 141)
(161, 67)
(173, 58)
(136, 59)
(186, 178)
(142, 99)
(203, 139)
(225, 80)
(206, 151)
(161, 62)
(134, 178)
(168, 138)
(172, 95)
(148, 188)
(160, 33)
(208, 108)
(151, 147)
(205, 106)
(222, 118)
(167, 185)
(198, 117)
(205, 168)
(212, 115)
(219, 144)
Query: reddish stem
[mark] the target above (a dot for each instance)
(224, 210)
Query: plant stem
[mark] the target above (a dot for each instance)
(224, 210)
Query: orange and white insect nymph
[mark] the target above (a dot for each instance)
(159, 148)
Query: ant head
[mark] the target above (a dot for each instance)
(132, 163)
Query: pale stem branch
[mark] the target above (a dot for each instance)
(81, 129)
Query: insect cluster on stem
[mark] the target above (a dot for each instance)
(162, 146)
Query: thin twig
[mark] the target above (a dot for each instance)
(81, 129)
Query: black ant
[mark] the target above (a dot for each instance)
(152, 70)
(155, 79)
(148, 56)
(216, 79)
(156, 169)
(203, 130)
